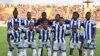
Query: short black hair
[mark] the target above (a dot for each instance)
(76, 13)
(43, 12)
(15, 10)
(61, 18)
(88, 12)
(57, 14)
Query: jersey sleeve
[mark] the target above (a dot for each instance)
(94, 24)
(9, 24)
(67, 21)
(82, 23)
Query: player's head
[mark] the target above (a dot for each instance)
(45, 24)
(57, 16)
(61, 20)
(44, 15)
(88, 15)
(15, 13)
(31, 26)
(75, 15)
(29, 15)
(16, 25)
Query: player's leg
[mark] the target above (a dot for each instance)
(92, 52)
(80, 52)
(71, 48)
(25, 46)
(20, 49)
(85, 52)
(48, 46)
(92, 48)
(79, 47)
(19, 52)
(10, 53)
(34, 53)
(40, 48)
(55, 48)
(63, 49)
(85, 47)
(25, 51)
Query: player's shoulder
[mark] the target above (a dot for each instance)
(93, 21)
(20, 17)
(11, 31)
(10, 19)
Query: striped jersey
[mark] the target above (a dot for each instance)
(26, 22)
(59, 33)
(75, 36)
(44, 34)
(15, 35)
(30, 35)
(89, 27)
(12, 20)
(54, 22)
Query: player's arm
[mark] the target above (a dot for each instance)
(68, 30)
(94, 30)
(9, 43)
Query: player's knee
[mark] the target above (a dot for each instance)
(71, 51)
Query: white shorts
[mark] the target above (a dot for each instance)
(41, 44)
(59, 46)
(32, 44)
(18, 45)
(73, 45)
(13, 44)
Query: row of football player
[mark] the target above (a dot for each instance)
(59, 27)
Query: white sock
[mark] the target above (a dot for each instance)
(10, 53)
(85, 52)
(49, 51)
(25, 52)
(63, 53)
(20, 53)
(54, 53)
(91, 52)
(39, 51)
(34, 52)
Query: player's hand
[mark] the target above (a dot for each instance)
(81, 47)
(11, 48)
(89, 41)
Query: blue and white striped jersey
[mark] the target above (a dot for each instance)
(75, 36)
(59, 33)
(15, 35)
(76, 23)
(12, 20)
(26, 22)
(89, 27)
(30, 35)
(54, 22)
(44, 35)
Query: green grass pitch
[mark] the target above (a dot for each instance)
(4, 45)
